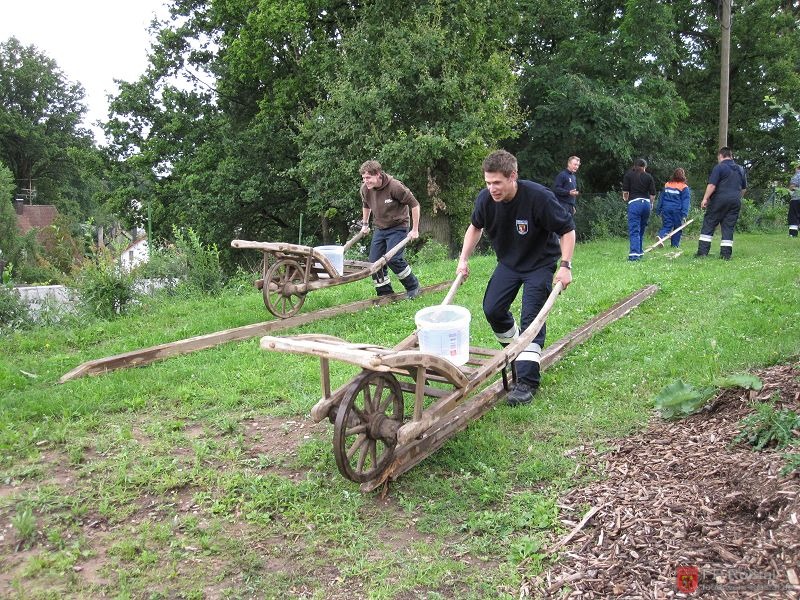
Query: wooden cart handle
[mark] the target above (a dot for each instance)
(453, 288)
(353, 240)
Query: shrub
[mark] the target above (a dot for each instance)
(430, 251)
(203, 272)
(601, 216)
(14, 313)
(104, 289)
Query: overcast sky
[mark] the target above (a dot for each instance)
(93, 41)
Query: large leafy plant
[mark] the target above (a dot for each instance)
(680, 399)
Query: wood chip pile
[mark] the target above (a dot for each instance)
(680, 498)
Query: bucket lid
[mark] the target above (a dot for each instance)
(442, 315)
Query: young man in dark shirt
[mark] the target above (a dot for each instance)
(524, 221)
(723, 198)
(639, 191)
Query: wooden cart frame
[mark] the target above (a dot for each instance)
(376, 436)
(290, 271)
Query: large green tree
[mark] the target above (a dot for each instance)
(427, 91)
(41, 137)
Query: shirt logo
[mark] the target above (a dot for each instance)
(522, 227)
(387, 201)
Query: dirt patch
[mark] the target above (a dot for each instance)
(680, 506)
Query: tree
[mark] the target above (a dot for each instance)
(595, 86)
(41, 140)
(427, 91)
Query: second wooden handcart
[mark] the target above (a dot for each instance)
(290, 271)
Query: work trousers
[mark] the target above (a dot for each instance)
(794, 216)
(723, 212)
(384, 240)
(501, 291)
(638, 215)
(671, 218)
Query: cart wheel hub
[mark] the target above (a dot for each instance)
(383, 428)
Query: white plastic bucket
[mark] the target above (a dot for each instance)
(335, 254)
(444, 331)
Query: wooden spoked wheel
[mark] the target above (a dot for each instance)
(365, 432)
(280, 288)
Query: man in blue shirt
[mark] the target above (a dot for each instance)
(723, 199)
(565, 185)
(530, 230)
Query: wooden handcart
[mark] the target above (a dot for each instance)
(290, 271)
(405, 403)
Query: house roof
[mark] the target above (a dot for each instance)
(36, 216)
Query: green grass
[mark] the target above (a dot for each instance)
(155, 483)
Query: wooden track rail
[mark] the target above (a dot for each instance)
(145, 356)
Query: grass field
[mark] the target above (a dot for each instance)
(202, 477)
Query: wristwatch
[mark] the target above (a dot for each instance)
(566, 264)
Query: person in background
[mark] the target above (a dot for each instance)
(727, 184)
(673, 206)
(794, 202)
(530, 230)
(639, 191)
(565, 185)
(389, 202)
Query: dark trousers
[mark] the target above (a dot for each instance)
(723, 212)
(671, 219)
(384, 240)
(638, 215)
(794, 216)
(501, 291)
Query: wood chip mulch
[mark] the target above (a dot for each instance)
(681, 500)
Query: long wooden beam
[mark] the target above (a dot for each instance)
(413, 453)
(146, 356)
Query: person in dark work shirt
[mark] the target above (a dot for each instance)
(565, 185)
(530, 230)
(639, 191)
(723, 198)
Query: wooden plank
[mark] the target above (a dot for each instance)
(145, 356)
(666, 237)
(414, 452)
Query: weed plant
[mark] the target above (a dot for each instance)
(202, 475)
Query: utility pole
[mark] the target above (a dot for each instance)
(725, 66)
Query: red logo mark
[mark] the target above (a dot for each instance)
(687, 579)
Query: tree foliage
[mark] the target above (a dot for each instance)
(256, 113)
(41, 138)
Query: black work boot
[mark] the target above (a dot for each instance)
(703, 249)
(411, 283)
(725, 252)
(521, 394)
(383, 286)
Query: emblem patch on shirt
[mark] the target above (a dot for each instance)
(522, 227)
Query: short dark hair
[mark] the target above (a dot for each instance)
(640, 162)
(373, 167)
(500, 161)
(725, 152)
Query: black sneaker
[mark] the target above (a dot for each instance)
(521, 394)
